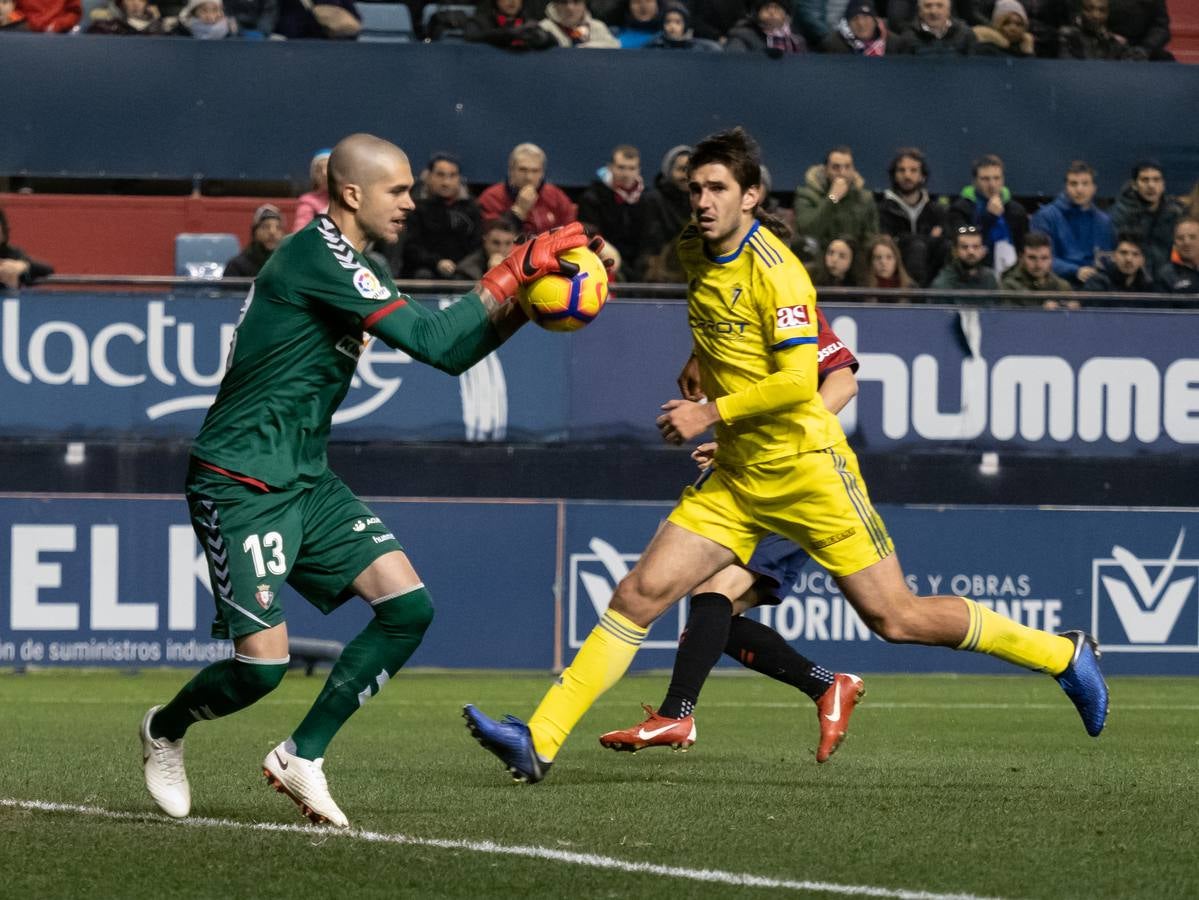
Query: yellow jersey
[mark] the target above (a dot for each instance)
(754, 331)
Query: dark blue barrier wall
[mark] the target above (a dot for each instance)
(119, 581)
(95, 106)
(1104, 383)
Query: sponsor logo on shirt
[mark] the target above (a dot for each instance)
(367, 284)
(788, 317)
(826, 352)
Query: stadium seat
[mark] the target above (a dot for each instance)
(89, 7)
(204, 255)
(385, 22)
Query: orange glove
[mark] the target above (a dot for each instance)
(533, 258)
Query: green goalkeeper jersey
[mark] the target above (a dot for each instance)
(304, 325)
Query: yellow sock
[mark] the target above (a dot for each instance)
(603, 658)
(999, 636)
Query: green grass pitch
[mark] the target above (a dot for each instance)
(963, 786)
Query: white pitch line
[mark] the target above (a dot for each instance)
(611, 704)
(591, 860)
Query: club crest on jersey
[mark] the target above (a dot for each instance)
(788, 317)
(368, 285)
(264, 595)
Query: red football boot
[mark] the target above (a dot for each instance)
(833, 710)
(655, 731)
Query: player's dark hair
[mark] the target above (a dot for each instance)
(1185, 220)
(738, 152)
(986, 161)
(1131, 237)
(1080, 167)
(628, 151)
(1037, 239)
(735, 150)
(908, 153)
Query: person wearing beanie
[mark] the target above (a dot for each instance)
(667, 212)
(266, 231)
(860, 32)
(677, 34)
(206, 21)
(1008, 33)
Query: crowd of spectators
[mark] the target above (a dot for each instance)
(903, 237)
(982, 237)
(1075, 29)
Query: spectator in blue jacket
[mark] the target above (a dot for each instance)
(1079, 229)
(642, 23)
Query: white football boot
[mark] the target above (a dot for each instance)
(162, 765)
(304, 781)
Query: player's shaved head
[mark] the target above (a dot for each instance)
(361, 159)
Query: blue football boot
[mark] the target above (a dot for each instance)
(1083, 682)
(510, 740)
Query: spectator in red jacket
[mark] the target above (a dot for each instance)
(50, 15)
(526, 199)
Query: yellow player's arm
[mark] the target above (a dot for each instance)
(794, 383)
(836, 389)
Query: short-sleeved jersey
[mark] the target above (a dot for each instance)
(831, 354)
(295, 349)
(750, 313)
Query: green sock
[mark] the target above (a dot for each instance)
(218, 690)
(365, 665)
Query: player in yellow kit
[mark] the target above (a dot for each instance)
(783, 466)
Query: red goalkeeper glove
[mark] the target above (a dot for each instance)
(530, 260)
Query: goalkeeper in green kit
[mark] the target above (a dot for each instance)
(262, 500)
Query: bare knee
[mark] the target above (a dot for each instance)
(897, 621)
(639, 599)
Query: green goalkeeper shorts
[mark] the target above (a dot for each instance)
(317, 538)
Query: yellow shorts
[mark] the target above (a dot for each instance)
(816, 499)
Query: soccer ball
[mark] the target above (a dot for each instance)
(558, 303)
